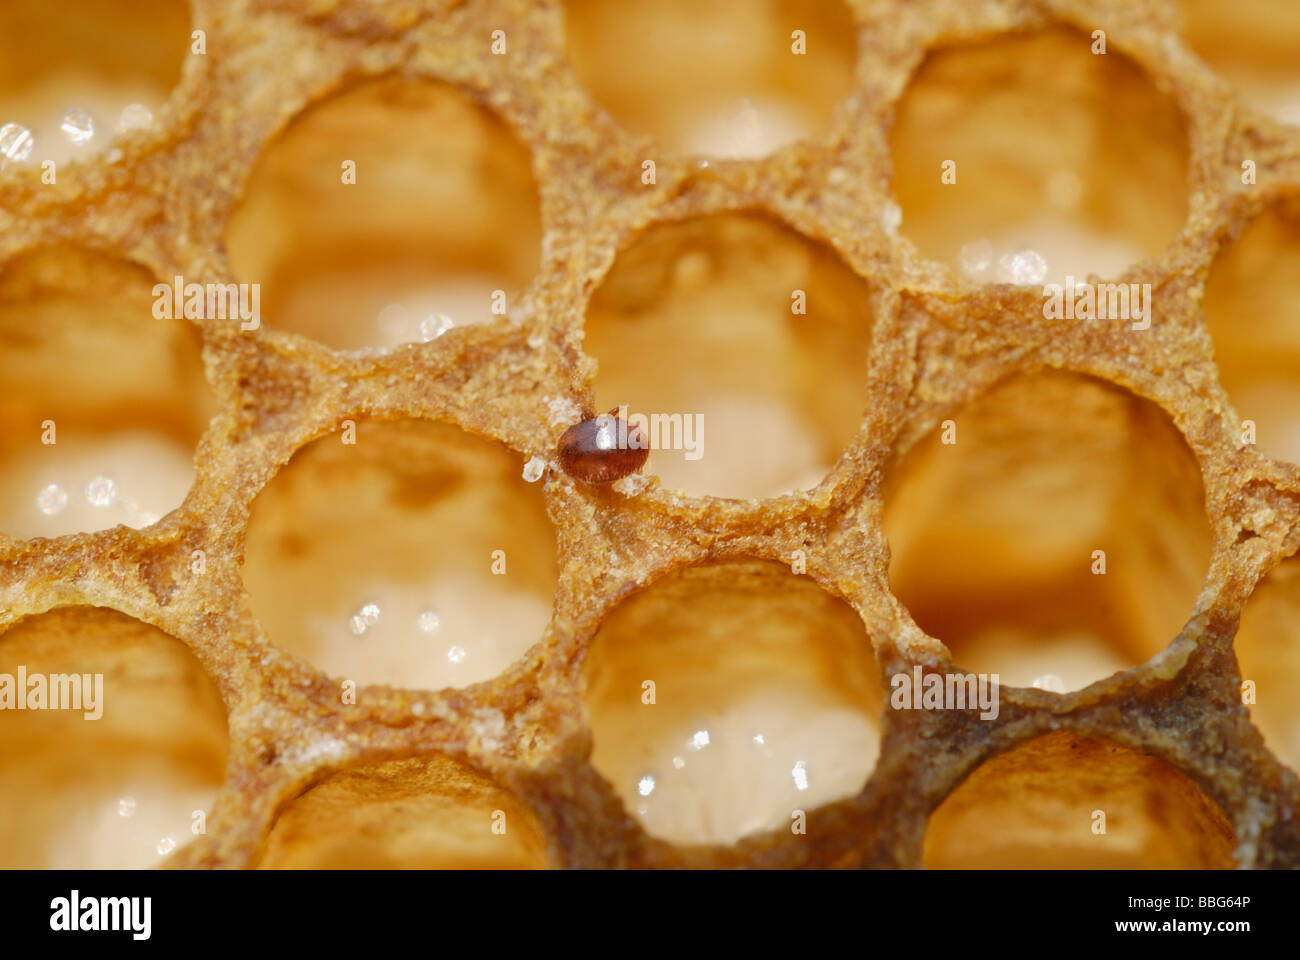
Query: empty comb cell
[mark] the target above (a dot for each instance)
(725, 699)
(119, 754)
(75, 82)
(1009, 143)
(714, 77)
(102, 404)
(1252, 309)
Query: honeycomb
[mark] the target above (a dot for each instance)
(255, 711)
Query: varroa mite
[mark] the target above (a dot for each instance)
(602, 449)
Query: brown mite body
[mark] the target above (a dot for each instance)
(602, 449)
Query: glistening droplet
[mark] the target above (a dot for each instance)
(434, 326)
(15, 142)
(52, 500)
(78, 126)
(101, 491)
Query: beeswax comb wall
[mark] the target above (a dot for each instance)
(349, 611)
